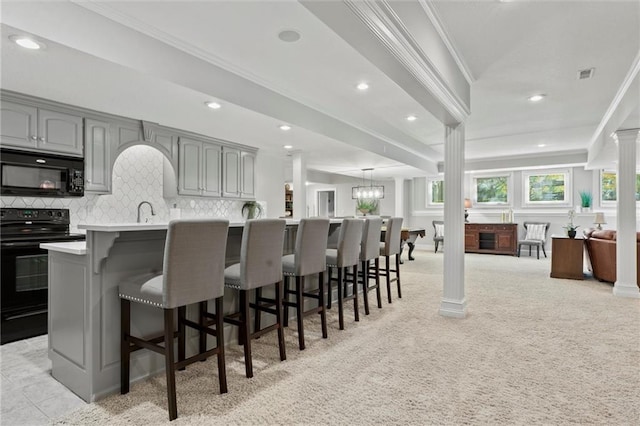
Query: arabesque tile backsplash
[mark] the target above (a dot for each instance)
(137, 176)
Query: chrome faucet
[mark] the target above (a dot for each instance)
(140, 205)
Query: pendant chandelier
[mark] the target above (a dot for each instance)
(369, 191)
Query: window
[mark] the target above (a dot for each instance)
(609, 187)
(435, 192)
(549, 187)
(492, 190)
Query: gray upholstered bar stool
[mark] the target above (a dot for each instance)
(260, 265)
(370, 250)
(391, 247)
(193, 272)
(308, 259)
(345, 256)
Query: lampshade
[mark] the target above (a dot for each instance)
(467, 203)
(599, 220)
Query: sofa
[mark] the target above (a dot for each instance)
(601, 251)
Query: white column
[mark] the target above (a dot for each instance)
(626, 285)
(453, 300)
(299, 185)
(399, 210)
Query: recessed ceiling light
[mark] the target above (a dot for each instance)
(288, 146)
(289, 36)
(213, 105)
(26, 42)
(537, 98)
(542, 145)
(362, 86)
(411, 117)
(285, 127)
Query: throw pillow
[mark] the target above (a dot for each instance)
(536, 232)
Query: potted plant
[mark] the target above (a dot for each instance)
(251, 210)
(586, 198)
(366, 205)
(571, 228)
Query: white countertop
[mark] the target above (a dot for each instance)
(72, 247)
(119, 227)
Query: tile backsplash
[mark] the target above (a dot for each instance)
(137, 176)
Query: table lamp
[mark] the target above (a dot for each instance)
(599, 220)
(467, 205)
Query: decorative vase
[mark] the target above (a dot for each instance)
(364, 211)
(571, 233)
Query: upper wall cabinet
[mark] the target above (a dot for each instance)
(36, 129)
(97, 161)
(199, 168)
(248, 182)
(238, 170)
(231, 172)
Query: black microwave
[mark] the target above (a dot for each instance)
(27, 174)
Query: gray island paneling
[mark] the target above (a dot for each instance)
(84, 307)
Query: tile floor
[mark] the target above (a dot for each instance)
(28, 393)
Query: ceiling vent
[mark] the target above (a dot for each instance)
(584, 74)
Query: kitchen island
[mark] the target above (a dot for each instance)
(84, 307)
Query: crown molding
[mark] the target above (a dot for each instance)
(384, 23)
(434, 17)
(622, 91)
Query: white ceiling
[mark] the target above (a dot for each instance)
(160, 61)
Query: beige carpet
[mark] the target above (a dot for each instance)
(532, 350)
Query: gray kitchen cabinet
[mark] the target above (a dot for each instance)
(97, 136)
(231, 172)
(247, 184)
(199, 168)
(211, 173)
(39, 129)
(128, 134)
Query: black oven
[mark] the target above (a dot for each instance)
(39, 175)
(25, 268)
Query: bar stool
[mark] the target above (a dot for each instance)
(370, 250)
(308, 259)
(346, 255)
(388, 248)
(192, 272)
(260, 265)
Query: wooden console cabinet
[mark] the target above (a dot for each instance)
(493, 238)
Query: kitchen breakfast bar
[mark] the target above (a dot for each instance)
(84, 307)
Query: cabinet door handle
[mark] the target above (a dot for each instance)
(42, 140)
(35, 138)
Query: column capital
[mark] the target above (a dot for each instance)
(627, 134)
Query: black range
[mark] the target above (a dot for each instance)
(25, 268)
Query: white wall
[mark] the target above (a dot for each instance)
(345, 205)
(270, 178)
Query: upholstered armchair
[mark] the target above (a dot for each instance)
(438, 237)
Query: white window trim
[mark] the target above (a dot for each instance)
(568, 184)
(430, 192)
(607, 203)
(474, 189)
